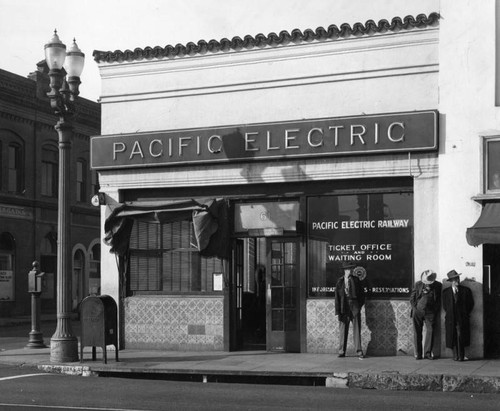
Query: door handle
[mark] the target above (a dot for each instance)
(487, 279)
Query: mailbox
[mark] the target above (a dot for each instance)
(98, 316)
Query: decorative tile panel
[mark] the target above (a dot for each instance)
(386, 328)
(174, 323)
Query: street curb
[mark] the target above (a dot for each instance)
(78, 370)
(422, 382)
(393, 381)
(201, 375)
(490, 385)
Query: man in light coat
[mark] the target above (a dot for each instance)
(425, 301)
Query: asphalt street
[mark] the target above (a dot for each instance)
(23, 388)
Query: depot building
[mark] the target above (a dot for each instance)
(238, 176)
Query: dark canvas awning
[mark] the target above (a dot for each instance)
(209, 221)
(487, 227)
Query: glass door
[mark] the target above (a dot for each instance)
(282, 295)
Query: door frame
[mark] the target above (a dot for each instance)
(491, 287)
(234, 296)
(233, 329)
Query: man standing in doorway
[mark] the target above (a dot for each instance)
(349, 299)
(425, 300)
(458, 304)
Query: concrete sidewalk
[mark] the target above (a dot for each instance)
(389, 373)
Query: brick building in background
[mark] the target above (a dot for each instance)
(28, 194)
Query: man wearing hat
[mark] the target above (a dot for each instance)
(349, 299)
(458, 304)
(425, 301)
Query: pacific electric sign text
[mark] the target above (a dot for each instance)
(360, 135)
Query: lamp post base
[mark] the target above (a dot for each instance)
(35, 336)
(35, 340)
(63, 349)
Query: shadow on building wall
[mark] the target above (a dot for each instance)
(381, 322)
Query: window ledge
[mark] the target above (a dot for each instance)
(480, 198)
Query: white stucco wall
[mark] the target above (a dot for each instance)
(382, 73)
(467, 107)
(371, 74)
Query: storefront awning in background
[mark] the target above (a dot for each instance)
(209, 221)
(487, 227)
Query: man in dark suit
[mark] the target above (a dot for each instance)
(458, 304)
(349, 299)
(425, 301)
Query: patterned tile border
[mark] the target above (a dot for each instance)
(386, 327)
(173, 323)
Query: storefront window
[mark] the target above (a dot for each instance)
(164, 258)
(374, 231)
(492, 165)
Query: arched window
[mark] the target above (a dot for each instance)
(50, 161)
(49, 244)
(7, 258)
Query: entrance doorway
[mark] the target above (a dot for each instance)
(491, 283)
(265, 294)
(283, 287)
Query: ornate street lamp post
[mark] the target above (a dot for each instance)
(62, 95)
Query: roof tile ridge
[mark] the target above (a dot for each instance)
(271, 40)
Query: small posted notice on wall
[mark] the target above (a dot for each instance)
(217, 281)
(6, 285)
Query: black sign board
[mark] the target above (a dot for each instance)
(371, 231)
(356, 135)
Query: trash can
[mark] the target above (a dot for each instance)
(98, 317)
